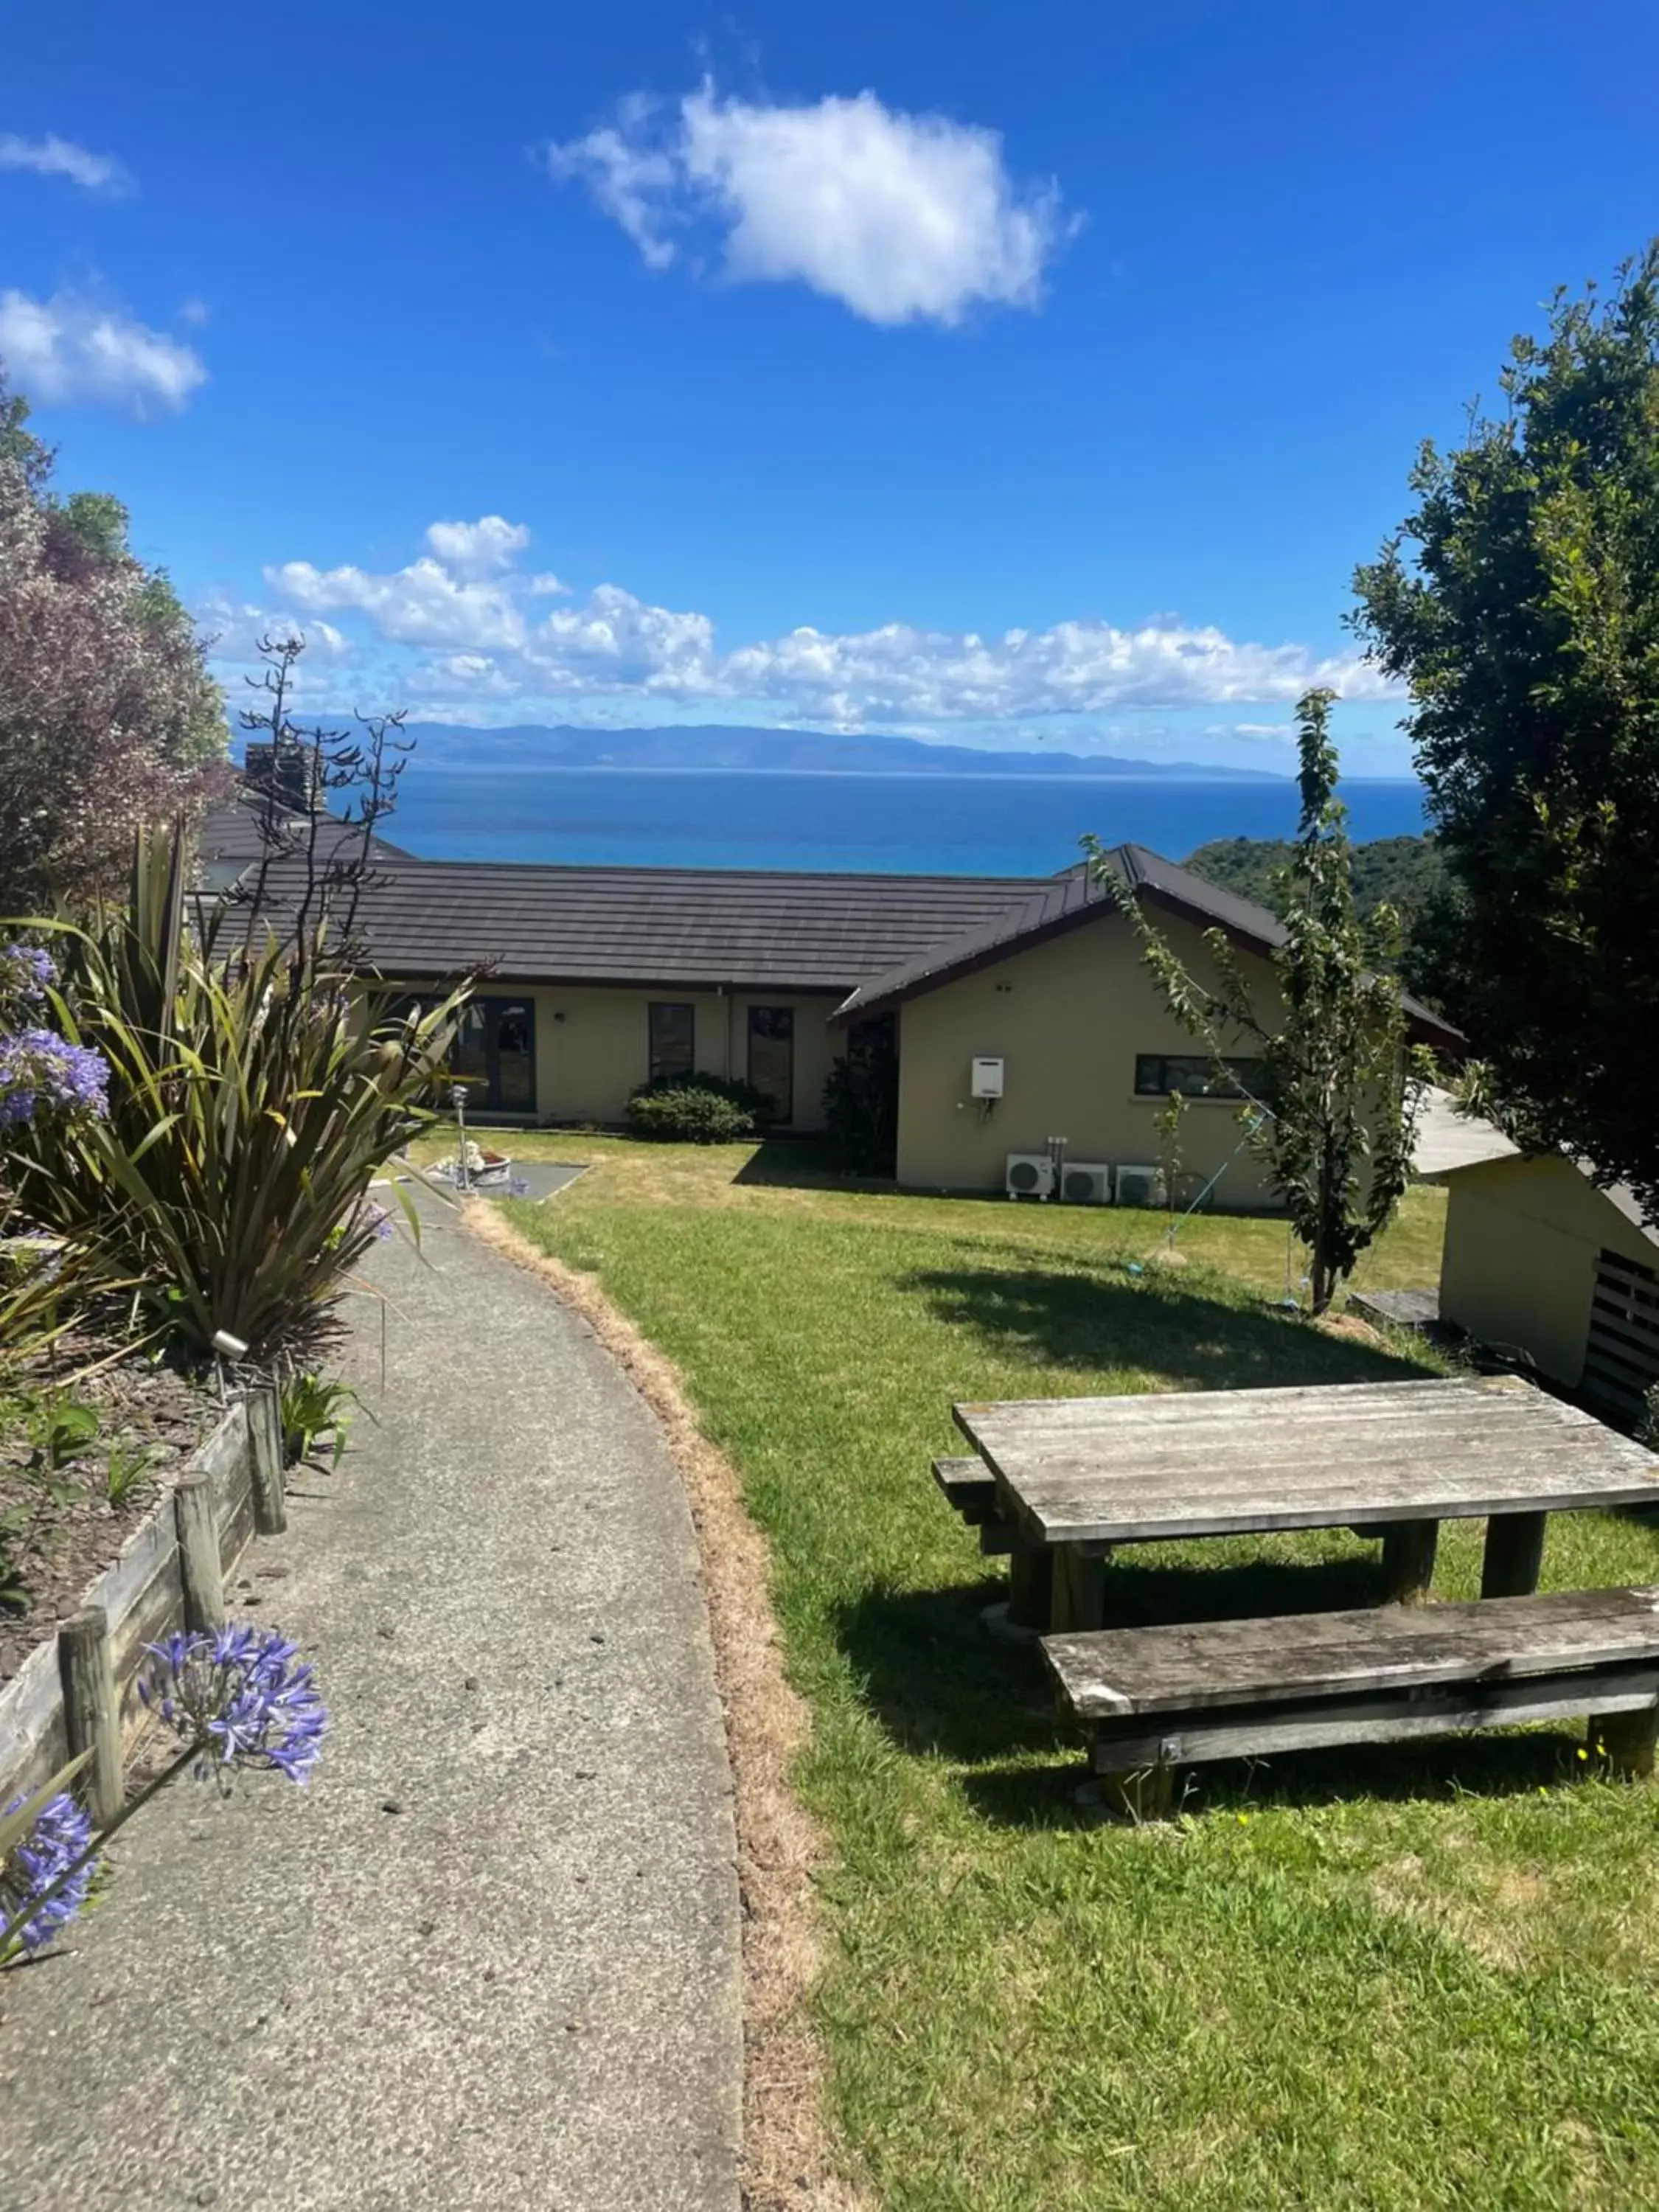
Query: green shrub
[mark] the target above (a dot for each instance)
(860, 1098)
(697, 1110)
(760, 1104)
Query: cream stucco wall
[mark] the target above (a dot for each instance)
(1068, 1017)
(1519, 1264)
(593, 1043)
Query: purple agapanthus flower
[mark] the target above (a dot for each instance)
(241, 1695)
(26, 971)
(59, 1836)
(41, 1071)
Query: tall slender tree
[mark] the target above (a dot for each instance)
(1335, 1120)
(1520, 602)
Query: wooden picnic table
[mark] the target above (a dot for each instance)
(1076, 1476)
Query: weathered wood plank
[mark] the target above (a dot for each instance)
(1631, 1740)
(32, 1740)
(1189, 1665)
(1117, 1510)
(269, 1480)
(969, 1487)
(1180, 1411)
(155, 1612)
(1514, 1556)
(1030, 1588)
(1389, 1476)
(1395, 1719)
(1079, 1591)
(1408, 1552)
(1638, 1334)
(200, 1575)
(90, 1715)
(1203, 1450)
(1161, 1464)
(1496, 1396)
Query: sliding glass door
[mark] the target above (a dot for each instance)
(772, 1057)
(495, 1055)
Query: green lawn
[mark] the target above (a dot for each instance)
(1418, 1978)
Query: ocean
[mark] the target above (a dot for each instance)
(892, 823)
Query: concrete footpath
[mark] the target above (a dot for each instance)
(489, 1957)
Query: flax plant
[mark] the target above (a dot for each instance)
(251, 1102)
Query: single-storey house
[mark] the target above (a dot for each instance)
(1019, 1008)
(1541, 1259)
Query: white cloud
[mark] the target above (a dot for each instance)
(71, 348)
(238, 626)
(477, 549)
(196, 311)
(483, 638)
(903, 218)
(619, 643)
(1075, 667)
(633, 184)
(421, 604)
(61, 157)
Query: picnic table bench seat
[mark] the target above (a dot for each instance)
(1153, 1700)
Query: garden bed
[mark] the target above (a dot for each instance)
(148, 1420)
(142, 1594)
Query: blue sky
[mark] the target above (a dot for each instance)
(1023, 373)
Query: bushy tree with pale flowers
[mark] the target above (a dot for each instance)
(108, 718)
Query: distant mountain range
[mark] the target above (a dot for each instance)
(449, 745)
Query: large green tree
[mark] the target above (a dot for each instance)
(1519, 601)
(108, 718)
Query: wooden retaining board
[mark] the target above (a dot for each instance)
(141, 1592)
(1167, 1465)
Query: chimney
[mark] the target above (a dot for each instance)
(286, 769)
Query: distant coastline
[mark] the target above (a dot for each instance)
(888, 822)
(731, 750)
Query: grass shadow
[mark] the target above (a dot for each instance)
(802, 1164)
(1157, 1322)
(1433, 1771)
(940, 1685)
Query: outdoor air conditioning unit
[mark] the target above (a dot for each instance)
(1030, 1175)
(1141, 1187)
(1085, 1182)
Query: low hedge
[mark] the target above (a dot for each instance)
(698, 1109)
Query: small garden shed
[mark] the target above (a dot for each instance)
(1538, 1258)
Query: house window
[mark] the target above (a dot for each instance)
(673, 1040)
(1195, 1075)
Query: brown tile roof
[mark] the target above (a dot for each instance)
(227, 838)
(872, 940)
(686, 926)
